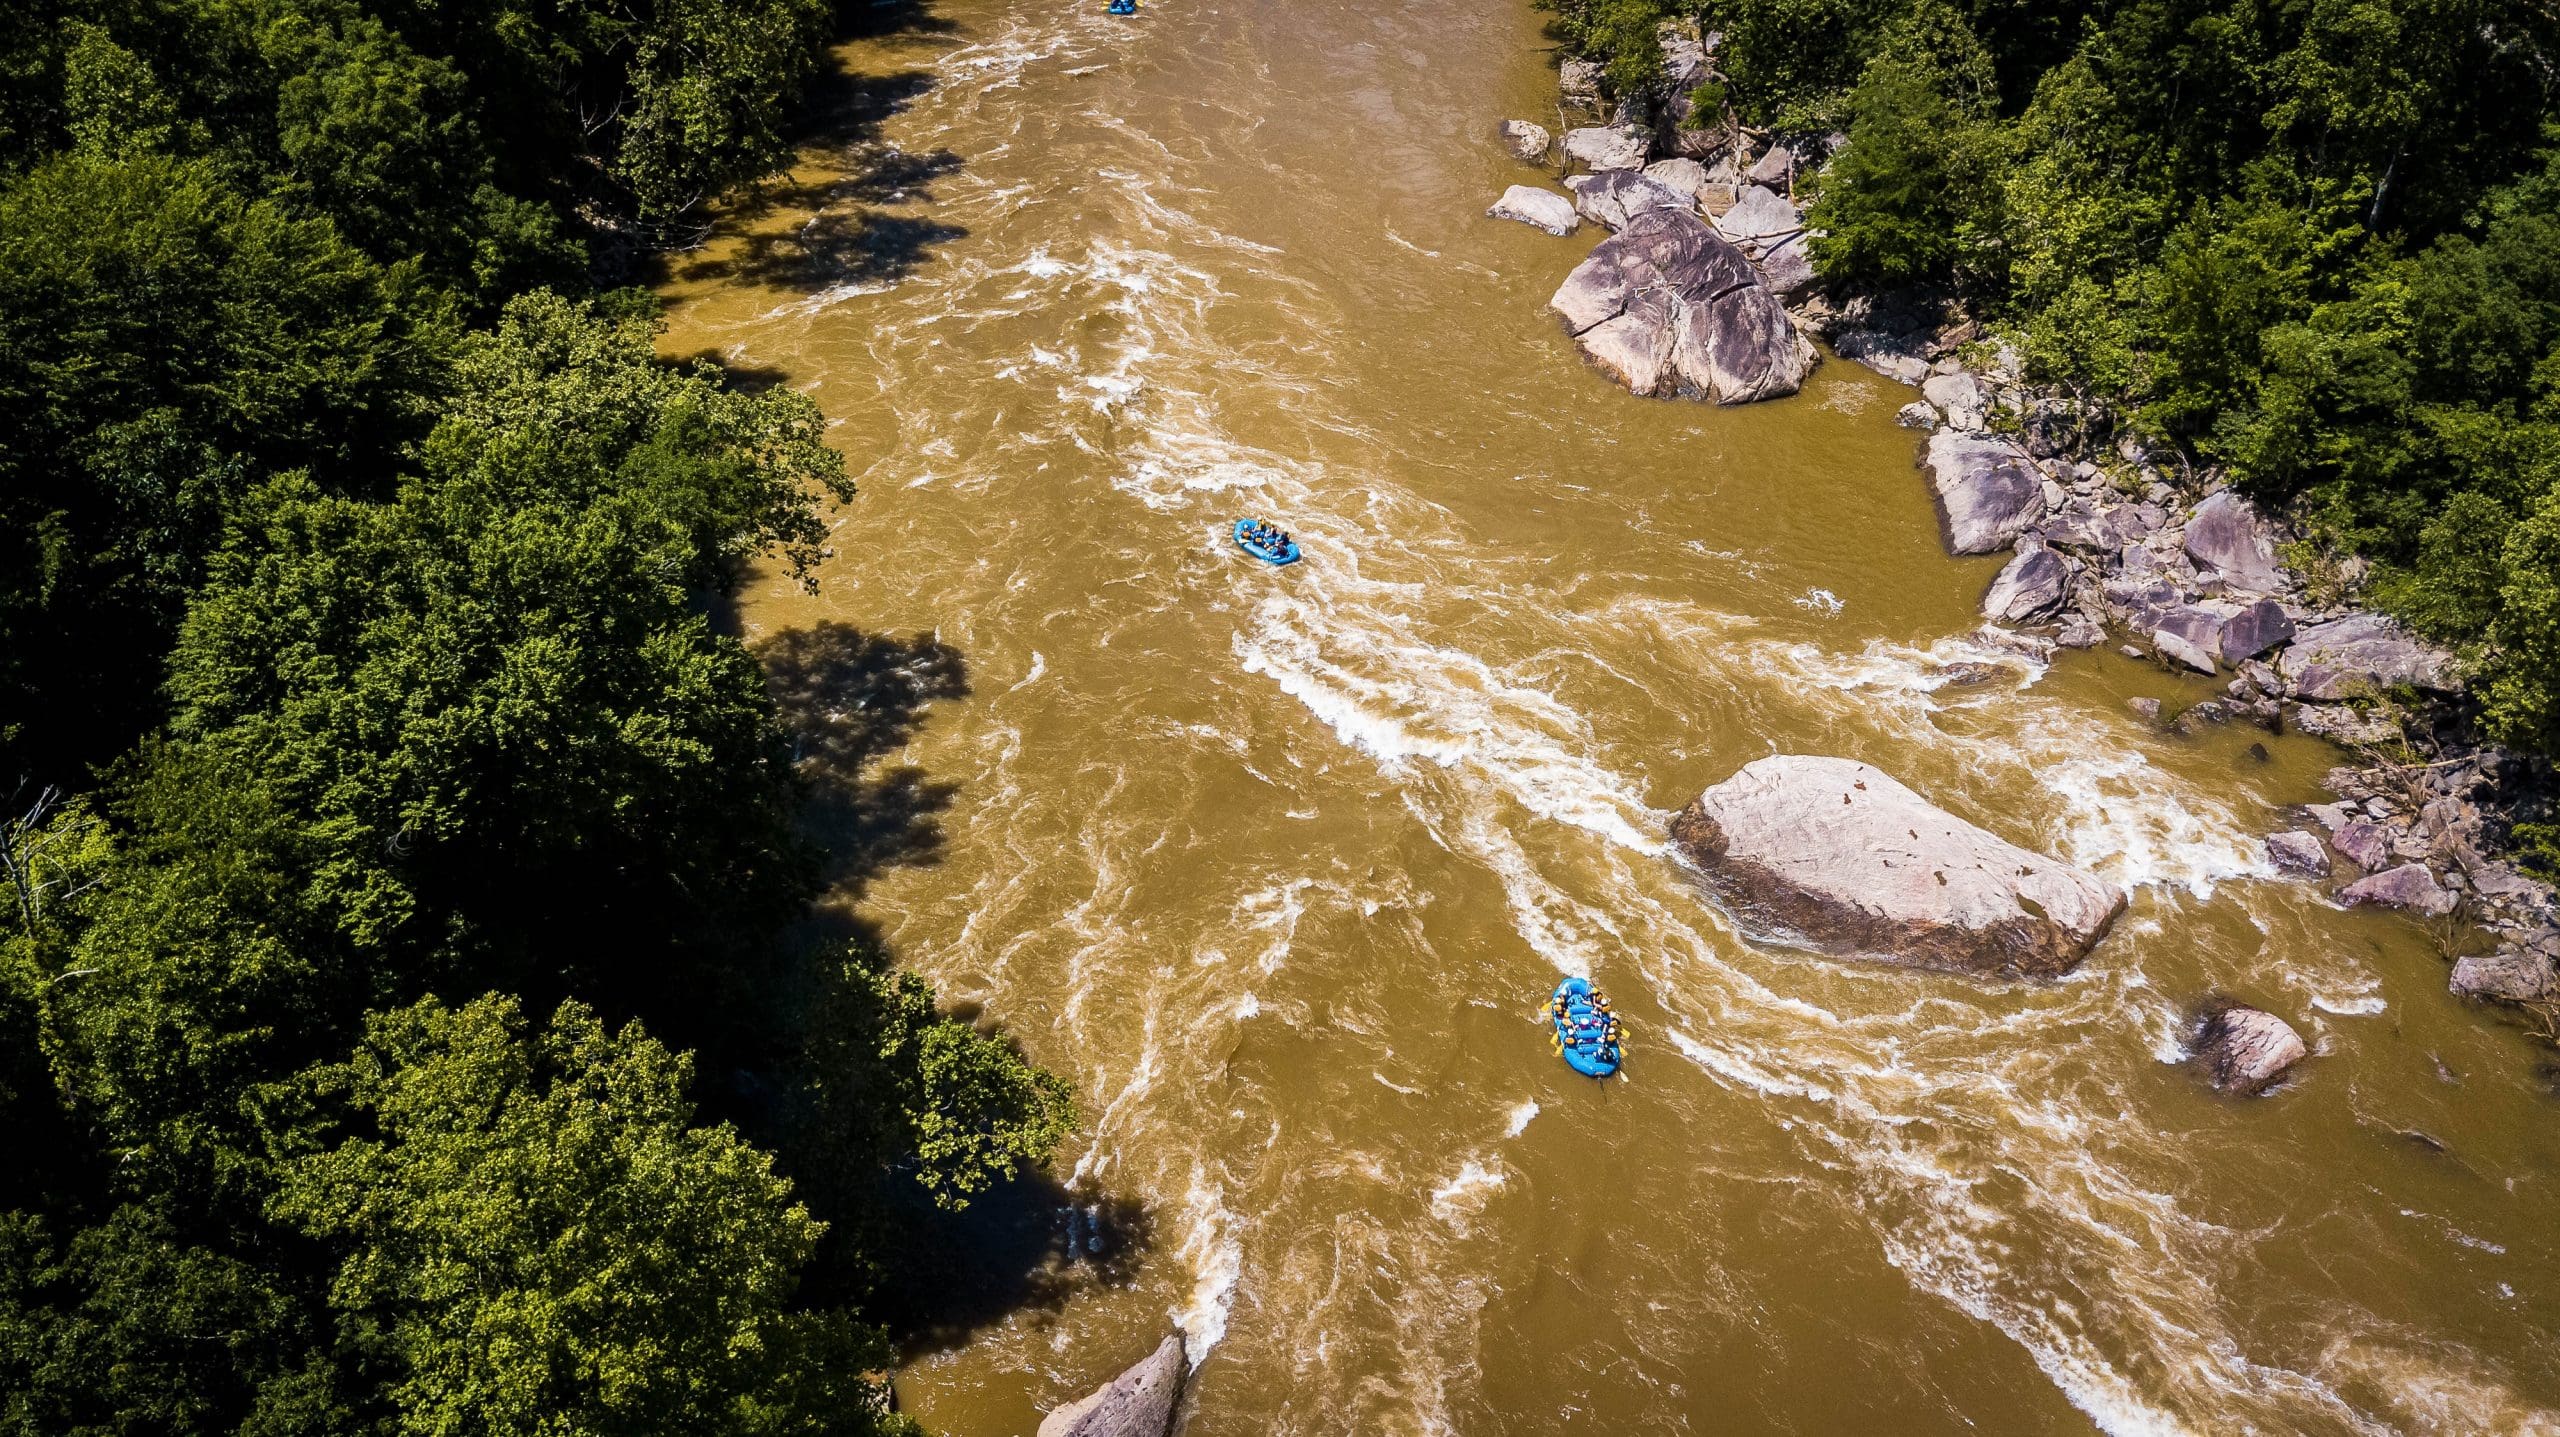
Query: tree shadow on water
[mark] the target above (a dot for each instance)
(848, 699)
(1029, 1245)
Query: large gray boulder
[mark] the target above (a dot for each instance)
(1836, 854)
(1137, 1403)
(1759, 217)
(2362, 654)
(2031, 587)
(1666, 306)
(2254, 630)
(1988, 491)
(2408, 886)
(2510, 975)
(1613, 197)
(1683, 176)
(1526, 140)
(1787, 266)
(1541, 209)
(2226, 538)
(2189, 635)
(2242, 1049)
(1609, 147)
(1774, 168)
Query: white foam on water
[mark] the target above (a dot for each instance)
(1465, 1194)
(1213, 1254)
(1518, 1122)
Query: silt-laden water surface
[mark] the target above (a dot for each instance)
(1275, 865)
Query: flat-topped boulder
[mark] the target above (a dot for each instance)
(1988, 490)
(1759, 216)
(2361, 655)
(1537, 208)
(2408, 886)
(2032, 586)
(2243, 1049)
(1840, 856)
(1137, 1403)
(1667, 306)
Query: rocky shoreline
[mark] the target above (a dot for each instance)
(1704, 289)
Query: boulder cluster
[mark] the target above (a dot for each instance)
(2102, 542)
(1687, 294)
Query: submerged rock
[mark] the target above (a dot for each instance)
(2244, 1049)
(1526, 140)
(1839, 855)
(1137, 1403)
(1542, 209)
(1988, 491)
(1667, 306)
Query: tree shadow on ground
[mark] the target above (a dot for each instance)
(1029, 1245)
(848, 699)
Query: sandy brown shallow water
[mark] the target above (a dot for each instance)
(1274, 865)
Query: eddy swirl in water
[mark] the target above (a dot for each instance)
(1277, 863)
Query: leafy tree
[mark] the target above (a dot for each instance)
(537, 1238)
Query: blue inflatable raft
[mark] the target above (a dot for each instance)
(1582, 1029)
(1283, 552)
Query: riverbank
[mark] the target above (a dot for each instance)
(2113, 542)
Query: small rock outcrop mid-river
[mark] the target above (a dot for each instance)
(2242, 1050)
(1837, 854)
(1667, 306)
(1138, 1403)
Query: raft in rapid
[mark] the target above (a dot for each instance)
(1265, 542)
(1586, 1031)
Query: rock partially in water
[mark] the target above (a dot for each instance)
(2227, 538)
(1581, 81)
(2362, 654)
(2408, 886)
(2244, 1049)
(1988, 490)
(1609, 147)
(1668, 306)
(1138, 1403)
(1526, 140)
(2295, 851)
(1541, 209)
(2364, 843)
(2510, 975)
(1916, 415)
(2031, 587)
(1839, 855)
(1613, 197)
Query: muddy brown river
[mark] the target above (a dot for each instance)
(1275, 865)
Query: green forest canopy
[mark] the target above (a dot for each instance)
(2316, 242)
(396, 841)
